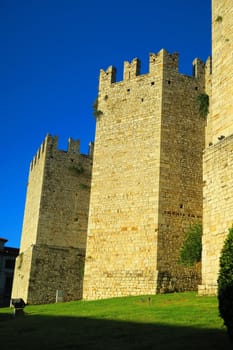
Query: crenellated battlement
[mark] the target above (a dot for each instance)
(198, 68)
(107, 77)
(50, 148)
(131, 70)
(40, 153)
(163, 61)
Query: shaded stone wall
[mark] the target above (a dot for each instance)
(33, 197)
(58, 194)
(55, 269)
(22, 274)
(65, 197)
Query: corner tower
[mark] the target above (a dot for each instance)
(146, 181)
(54, 231)
(218, 155)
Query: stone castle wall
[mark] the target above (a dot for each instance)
(218, 209)
(55, 221)
(65, 195)
(55, 269)
(22, 274)
(146, 186)
(33, 198)
(123, 222)
(148, 152)
(180, 198)
(217, 160)
(222, 76)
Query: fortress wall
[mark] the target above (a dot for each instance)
(222, 48)
(146, 188)
(21, 274)
(56, 215)
(123, 221)
(217, 161)
(208, 91)
(33, 197)
(218, 209)
(180, 201)
(30, 223)
(148, 155)
(55, 269)
(65, 198)
(57, 204)
(41, 270)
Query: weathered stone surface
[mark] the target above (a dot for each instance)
(218, 155)
(55, 224)
(146, 181)
(146, 188)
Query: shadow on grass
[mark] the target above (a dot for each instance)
(45, 332)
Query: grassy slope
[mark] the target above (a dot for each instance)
(172, 321)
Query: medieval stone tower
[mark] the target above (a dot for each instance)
(53, 240)
(218, 155)
(146, 180)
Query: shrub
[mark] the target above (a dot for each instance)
(96, 112)
(190, 251)
(225, 283)
(203, 103)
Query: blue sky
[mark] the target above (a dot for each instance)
(51, 54)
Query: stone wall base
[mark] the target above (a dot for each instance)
(207, 289)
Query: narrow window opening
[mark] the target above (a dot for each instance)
(128, 90)
(152, 83)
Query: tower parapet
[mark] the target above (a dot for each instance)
(162, 62)
(107, 77)
(131, 70)
(91, 150)
(73, 146)
(49, 147)
(198, 68)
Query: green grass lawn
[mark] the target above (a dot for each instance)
(164, 322)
